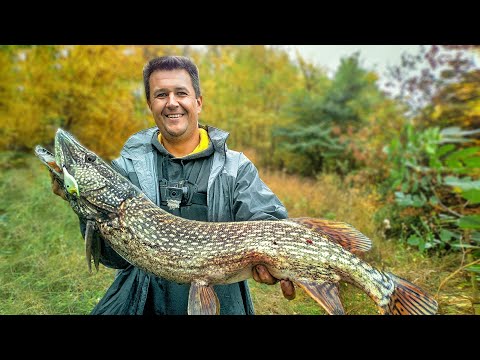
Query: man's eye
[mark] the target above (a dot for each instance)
(90, 158)
(161, 95)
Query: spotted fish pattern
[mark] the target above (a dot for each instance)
(315, 254)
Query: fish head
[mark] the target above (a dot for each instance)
(98, 189)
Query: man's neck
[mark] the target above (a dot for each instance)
(182, 148)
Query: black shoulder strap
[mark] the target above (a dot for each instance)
(193, 176)
(159, 165)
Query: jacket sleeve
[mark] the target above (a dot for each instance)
(108, 256)
(252, 198)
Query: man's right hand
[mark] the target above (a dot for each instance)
(262, 275)
(57, 188)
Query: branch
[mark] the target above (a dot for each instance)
(444, 207)
(453, 274)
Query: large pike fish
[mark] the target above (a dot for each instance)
(314, 254)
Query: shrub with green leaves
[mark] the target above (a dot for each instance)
(434, 180)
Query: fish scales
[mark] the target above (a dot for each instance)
(315, 254)
(219, 253)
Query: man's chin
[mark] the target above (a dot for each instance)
(175, 133)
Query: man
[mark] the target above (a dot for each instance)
(187, 170)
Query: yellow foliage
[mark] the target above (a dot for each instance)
(457, 104)
(96, 92)
(88, 90)
(244, 88)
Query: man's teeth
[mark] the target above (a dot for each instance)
(174, 116)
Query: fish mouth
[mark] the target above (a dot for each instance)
(68, 152)
(49, 160)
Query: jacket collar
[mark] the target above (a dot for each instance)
(141, 142)
(218, 138)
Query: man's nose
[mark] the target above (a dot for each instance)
(172, 101)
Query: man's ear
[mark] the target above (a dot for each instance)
(199, 104)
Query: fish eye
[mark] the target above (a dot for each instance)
(90, 158)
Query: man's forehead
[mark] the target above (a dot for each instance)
(171, 77)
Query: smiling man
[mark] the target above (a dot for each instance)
(175, 106)
(186, 169)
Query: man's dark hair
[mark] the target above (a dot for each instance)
(168, 63)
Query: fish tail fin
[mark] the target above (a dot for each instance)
(409, 299)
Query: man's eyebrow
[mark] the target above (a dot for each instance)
(167, 89)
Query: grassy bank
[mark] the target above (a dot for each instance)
(43, 268)
(326, 197)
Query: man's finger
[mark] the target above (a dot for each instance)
(57, 189)
(265, 276)
(255, 274)
(288, 289)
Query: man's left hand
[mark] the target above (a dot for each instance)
(262, 275)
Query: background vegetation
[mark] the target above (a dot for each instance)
(401, 167)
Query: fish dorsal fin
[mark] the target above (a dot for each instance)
(202, 300)
(326, 294)
(338, 232)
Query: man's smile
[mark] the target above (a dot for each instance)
(174, 116)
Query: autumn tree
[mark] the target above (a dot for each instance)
(456, 104)
(322, 137)
(91, 91)
(245, 88)
(28, 79)
(419, 77)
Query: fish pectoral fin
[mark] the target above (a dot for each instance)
(202, 300)
(89, 242)
(338, 232)
(96, 248)
(326, 294)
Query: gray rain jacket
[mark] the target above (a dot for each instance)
(235, 193)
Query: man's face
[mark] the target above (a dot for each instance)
(173, 104)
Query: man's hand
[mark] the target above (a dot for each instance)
(56, 188)
(262, 275)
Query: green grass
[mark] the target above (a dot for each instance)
(43, 268)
